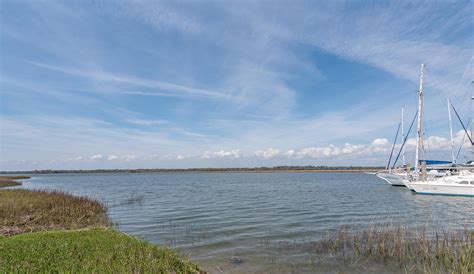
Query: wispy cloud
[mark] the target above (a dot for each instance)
(161, 16)
(145, 122)
(224, 82)
(169, 89)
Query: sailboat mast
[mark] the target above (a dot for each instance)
(451, 132)
(419, 133)
(403, 138)
(470, 118)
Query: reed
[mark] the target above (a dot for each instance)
(60, 244)
(401, 247)
(6, 181)
(37, 210)
(15, 177)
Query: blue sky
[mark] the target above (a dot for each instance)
(128, 84)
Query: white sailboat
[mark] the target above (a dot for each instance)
(458, 183)
(391, 176)
(461, 184)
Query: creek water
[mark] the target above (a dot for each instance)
(255, 222)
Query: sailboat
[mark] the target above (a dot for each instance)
(393, 178)
(459, 182)
(398, 176)
(390, 175)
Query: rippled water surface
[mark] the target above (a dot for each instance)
(241, 222)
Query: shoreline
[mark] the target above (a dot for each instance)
(296, 169)
(9, 181)
(75, 225)
(383, 245)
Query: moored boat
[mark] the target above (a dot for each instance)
(458, 185)
(395, 179)
(453, 179)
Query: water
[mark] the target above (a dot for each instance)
(255, 222)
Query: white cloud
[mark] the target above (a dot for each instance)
(380, 142)
(128, 157)
(145, 122)
(440, 143)
(112, 157)
(461, 138)
(379, 146)
(436, 143)
(318, 152)
(96, 157)
(349, 149)
(269, 153)
(411, 143)
(182, 157)
(289, 153)
(79, 158)
(373, 153)
(235, 153)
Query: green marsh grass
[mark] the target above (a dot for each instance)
(97, 250)
(36, 210)
(15, 177)
(7, 181)
(412, 251)
(55, 232)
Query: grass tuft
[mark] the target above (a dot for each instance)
(98, 250)
(30, 211)
(401, 247)
(6, 181)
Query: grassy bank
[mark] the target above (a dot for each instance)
(6, 181)
(15, 177)
(51, 231)
(98, 250)
(399, 247)
(30, 211)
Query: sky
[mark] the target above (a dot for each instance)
(181, 84)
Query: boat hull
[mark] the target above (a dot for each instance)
(440, 189)
(393, 179)
(407, 183)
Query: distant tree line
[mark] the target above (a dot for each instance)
(235, 169)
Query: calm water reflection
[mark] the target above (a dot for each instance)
(254, 221)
